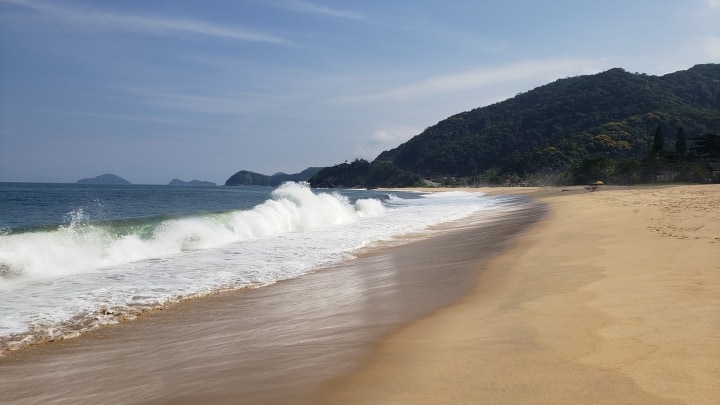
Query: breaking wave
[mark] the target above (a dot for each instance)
(85, 246)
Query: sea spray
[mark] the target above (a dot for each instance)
(83, 246)
(59, 281)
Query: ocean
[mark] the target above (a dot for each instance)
(77, 257)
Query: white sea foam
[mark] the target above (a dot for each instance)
(65, 281)
(84, 247)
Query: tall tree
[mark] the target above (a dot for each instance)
(681, 143)
(659, 142)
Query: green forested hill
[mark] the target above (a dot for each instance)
(248, 178)
(556, 128)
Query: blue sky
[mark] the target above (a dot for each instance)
(156, 90)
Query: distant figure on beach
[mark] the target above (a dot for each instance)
(594, 186)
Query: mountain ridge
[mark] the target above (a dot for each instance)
(249, 178)
(554, 128)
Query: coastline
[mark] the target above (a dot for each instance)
(614, 298)
(275, 344)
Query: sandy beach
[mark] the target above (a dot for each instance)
(614, 298)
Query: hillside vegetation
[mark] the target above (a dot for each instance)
(248, 178)
(596, 127)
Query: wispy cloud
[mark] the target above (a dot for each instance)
(138, 23)
(316, 9)
(479, 78)
(118, 117)
(384, 139)
(227, 104)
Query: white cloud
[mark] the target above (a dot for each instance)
(484, 77)
(153, 24)
(309, 8)
(384, 139)
(221, 105)
(120, 117)
(395, 135)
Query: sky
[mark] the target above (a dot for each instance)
(164, 89)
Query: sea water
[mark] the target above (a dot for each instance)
(76, 257)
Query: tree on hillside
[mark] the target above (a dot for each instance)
(658, 143)
(681, 143)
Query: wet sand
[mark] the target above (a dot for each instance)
(614, 298)
(276, 344)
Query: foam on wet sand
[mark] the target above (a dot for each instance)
(275, 344)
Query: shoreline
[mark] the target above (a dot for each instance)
(614, 298)
(271, 344)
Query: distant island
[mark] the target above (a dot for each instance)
(248, 178)
(108, 179)
(178, 182)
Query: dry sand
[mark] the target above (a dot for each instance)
(615, 298)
